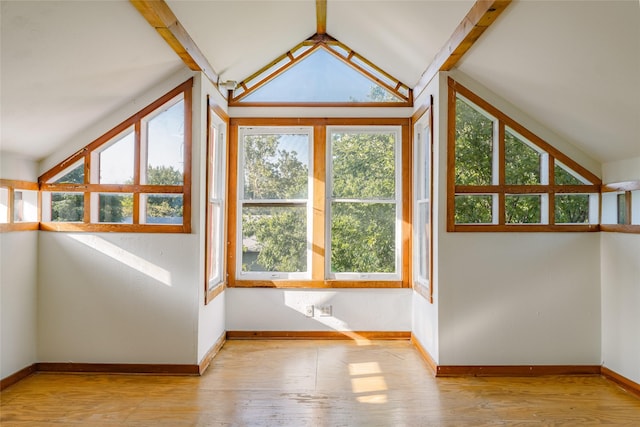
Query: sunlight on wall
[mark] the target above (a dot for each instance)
(368, 382)
(127, 258)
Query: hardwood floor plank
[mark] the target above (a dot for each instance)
(315, 383)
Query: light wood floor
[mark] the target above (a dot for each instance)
(315, 383)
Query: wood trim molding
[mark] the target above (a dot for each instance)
(212, 293)
(425, 354)
(160, 16)
(515, 370)
(624, 382)
(481, 15)
(321, 16)
(17, 376)
(118, 368)
(318, 335)
(621, 228)
(211, 354)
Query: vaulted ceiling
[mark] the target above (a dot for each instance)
(574, 66)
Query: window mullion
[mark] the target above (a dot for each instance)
(319, 203)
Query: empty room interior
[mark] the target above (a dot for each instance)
(366, 211)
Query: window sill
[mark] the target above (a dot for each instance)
(318, 284)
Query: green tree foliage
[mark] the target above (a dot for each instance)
(473, 146)
(164, 206)
(278, 234)
(67, 207)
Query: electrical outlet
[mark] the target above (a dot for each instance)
(308, 311)
(324, 310)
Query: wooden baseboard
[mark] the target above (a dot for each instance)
(213, 351)
(425, 354)
(624, 382)
(516, 370)
(118, 368)
(17, 376)
(318, 335)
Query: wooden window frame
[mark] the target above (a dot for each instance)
(501, 189)
(12, 185)
(318, 199)
(88, 188)
(339, 50)
(625, 188)
(213, 287)
(424, 289)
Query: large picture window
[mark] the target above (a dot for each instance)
(502, 177)
(136, 177)
(319, 204)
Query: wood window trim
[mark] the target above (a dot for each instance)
(421, 288)
(321, 41)
(88, 188)
(211, 292)
(318, 199)
(501, 189)
(627, 187)
(11, 225)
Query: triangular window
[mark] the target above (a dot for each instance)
(321, 72)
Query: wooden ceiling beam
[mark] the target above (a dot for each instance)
(321, 16)
(481, 15)
(161, 17)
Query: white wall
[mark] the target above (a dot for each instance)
(18, 281)
(424, 314)
(621, 287)
(517, 298)
(211, 317)
(123, 297)
(284, 309)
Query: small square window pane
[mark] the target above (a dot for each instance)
(522, 209)
(162, 208)
(572, 208)
(25, 206)
(473, 146)
(67, 207)
(4, 205)
(115, 208)
(116, 161)
(274, 239)
(473, 209)
(522, 163)
(363, 165)
(276, 166)
(363, 237)
(165, 147)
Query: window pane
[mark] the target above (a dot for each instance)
(363, 237)
(474, 146)
(25, 205)
(363, 165)
(422, 239)
(274, 239)
(115, 208)
(563, 177)
(276, 166)
(4, 205)
(523, 209)
(165, 147)
(522, 163)
(67, 207)
(321, 77)
(116, 161)
(215, 244)
(162, 208)
(473, 209)
(572, 208)
(622, 208)
(74, 176)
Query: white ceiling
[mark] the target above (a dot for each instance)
(573, 66)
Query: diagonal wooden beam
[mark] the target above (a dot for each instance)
(321, 16)
(481, 15)
(161, 17)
